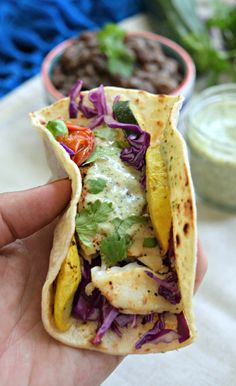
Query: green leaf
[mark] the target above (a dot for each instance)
(88, 218)
(57, 127)
(149, 242)
(122, 226)
(99, 211)
(111, 42)
(121, 65)
(96, 185)
(105, 133)
(114, 248)
(101, 152)
(88, 243)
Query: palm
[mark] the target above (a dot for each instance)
(28, 354)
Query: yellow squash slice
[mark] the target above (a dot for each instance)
(158, 196)
(67, 283)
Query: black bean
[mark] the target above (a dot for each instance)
(58, 77)
(151, 67)
(171, 65)
(164, 83)
(87, 36)
(100, 63)
(89, 70)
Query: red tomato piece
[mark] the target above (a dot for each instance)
(81, 140)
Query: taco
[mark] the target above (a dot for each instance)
(122, 265)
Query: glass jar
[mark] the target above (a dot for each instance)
(211, 136)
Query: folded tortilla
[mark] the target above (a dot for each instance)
(158, 115)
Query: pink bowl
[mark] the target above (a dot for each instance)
(169, 47)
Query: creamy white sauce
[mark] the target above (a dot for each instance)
(122, 188)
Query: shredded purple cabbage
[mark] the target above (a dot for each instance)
(148, 318)
(115, 329)
(158, 333)
(87, 111)
(84, 310)
(87, 307)
(111, 122)
(139, 141)
(100, 109)
(109, 315)
(182, 328)
(97, 98)
(168, 288)
(116, 99)
(143, 181)
(123, 320)
(69, 151)
(152, 333)
(73, 105)
(135, 154)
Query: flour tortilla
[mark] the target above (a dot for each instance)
(158, 115)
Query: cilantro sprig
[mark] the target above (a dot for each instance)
(96, 185)
(111, 42)
(87, 220)
(101, 152)
(106, 133)
(114, 247)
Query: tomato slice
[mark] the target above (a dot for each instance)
(81, 140)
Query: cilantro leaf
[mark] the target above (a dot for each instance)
(100, 152)
(111, 42)
(120, 63)
(105, 133)
(57, 127)
(96, 185)
(99, 211)
(114, 248)
(149, 242)
(122, 226)
(88, 243)
(88, 218)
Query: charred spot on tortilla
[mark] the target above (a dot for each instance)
(101, 298)
(177, 240)
(186, 228)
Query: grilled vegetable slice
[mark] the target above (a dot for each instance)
(67, 283)
(158, 196)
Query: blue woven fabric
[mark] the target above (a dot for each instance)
(30, 28)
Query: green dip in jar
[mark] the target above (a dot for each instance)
(211, 138)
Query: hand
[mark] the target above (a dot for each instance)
(201, 266)
(28, 355)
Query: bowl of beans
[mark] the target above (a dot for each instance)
(151, 62)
